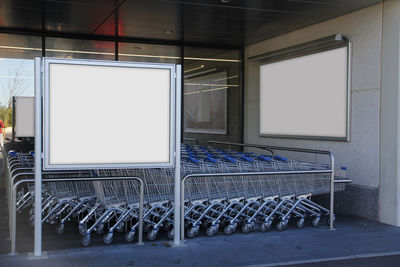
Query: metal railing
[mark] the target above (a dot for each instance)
(13, 228)
(302, 150)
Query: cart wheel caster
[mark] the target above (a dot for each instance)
(170, 234)
(211, 230)
(82, 230)
(152, 235)
(100, 229)
(166, 226)
(281, 226)
(246, 228)
(186, 224)
(192, 232)
(146, 228)
(60, 229)
(108, 238)
(205, 224)
(265, 226)
(129, 236)
(315, 221)
(228, 230)
(86, 240)
(300, 223)
(120, 228)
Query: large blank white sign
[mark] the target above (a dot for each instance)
(305, 96)
(108, 116)
(24, 116)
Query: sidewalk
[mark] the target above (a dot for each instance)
(352, 239)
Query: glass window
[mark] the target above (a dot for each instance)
(212, 94)
(16, 70)
(82, 49)
(148, 53)
(20, 46)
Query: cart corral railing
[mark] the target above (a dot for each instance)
(330, 171)
(15, 184)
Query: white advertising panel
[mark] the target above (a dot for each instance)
(102, 114)
(24, 116)
(306, 96)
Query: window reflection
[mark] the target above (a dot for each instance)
(212, 94)
(148, 53)
(80, 49)
(16, 79)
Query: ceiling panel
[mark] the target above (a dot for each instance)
(150, 19)
(234, 23)
(20, 14)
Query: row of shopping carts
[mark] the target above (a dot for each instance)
(211, 201)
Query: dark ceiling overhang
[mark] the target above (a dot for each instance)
(214, 23)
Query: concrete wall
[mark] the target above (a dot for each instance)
(389, 197)
(361, 155)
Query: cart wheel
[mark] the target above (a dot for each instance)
(211, 230)
(315, 221)
(152, 235)
(166, 226)
(60, 229)
(82, 229)
(186, 224)
(108, 238)
(265, 226)
(228, 230)
(120, 228)
(146, 228)
(100, 229)
(281, 226)
(300, 223)
(246, 228)
(86, 240)
(205, 224)
(192, 232)
(170, 234)
(129, 236)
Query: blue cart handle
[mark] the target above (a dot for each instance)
(211, 159)
(281, 158)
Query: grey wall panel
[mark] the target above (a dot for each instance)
(361, 155)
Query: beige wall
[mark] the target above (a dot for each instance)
(361, 155)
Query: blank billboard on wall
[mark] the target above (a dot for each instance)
(306, 96)
(108, 114)
(24, 116)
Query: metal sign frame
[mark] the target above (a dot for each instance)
(309, 48)
(47, 62)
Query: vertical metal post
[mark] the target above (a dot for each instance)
(38, 159)
(116, 44)
(140, 236)
(13, 120)
(177, 191)
(332, 198)
(242, 95)
(13, 227)
(182, 56)
(182, 228)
